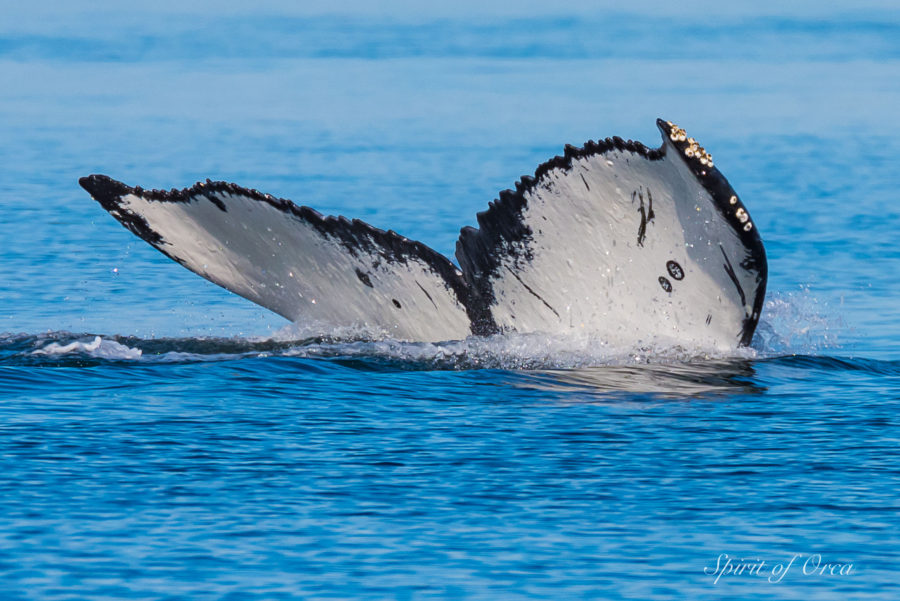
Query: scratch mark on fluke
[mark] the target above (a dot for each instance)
(585, 182)
(730, 271)
(532, 292)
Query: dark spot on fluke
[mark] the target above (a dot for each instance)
(364, 277)
(675, 270)
(396, 303)
(665, 283)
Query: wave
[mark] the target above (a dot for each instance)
(794, 331)
(515, 351)
(553, 366)
(97, 348)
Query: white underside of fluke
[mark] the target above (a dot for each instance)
(276, 259)
(590, 266)
(631, 246)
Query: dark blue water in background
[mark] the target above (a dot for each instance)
(161, 438)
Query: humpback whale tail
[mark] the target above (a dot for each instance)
(626, 243)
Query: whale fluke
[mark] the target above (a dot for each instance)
(612, 239)
(296, 262)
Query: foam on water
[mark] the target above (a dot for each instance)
(97, 348)
(516, 351)
(794, 324)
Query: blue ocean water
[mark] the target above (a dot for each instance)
(161, 438)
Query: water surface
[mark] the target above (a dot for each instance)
(163, 439)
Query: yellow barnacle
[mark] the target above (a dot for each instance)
(749, 226)
(733, 200)
(677, 134)
(689, 152)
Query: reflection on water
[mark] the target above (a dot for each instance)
(666, 380)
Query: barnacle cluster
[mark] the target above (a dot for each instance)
(693, 150)
(741, 215)
(676, 134)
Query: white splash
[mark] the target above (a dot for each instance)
(520, 351)
(793, 323)
(797, 322)
(97, 348)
